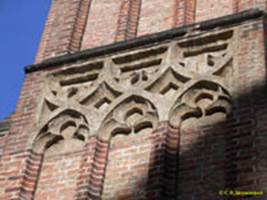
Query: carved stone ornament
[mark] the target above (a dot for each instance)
(66, 132)
(132, 91)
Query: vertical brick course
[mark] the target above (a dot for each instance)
(156, 181)
(31, 175)
(98, 172)
(171, 164)
(184, 12)
(128, 20)
(64, 28)
(14, 150)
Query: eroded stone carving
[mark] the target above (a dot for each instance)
(137, 68)
(79, 74)
(205, 102)
(185, 78)
(208, 55)
(66, 132)
(135, 115)
(101, 97)
(168, 83)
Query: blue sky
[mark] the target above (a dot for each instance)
(21, 24)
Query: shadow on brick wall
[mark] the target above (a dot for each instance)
(230, 155)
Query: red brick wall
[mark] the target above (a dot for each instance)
(58, 177)
(128, 167)
(143, 166)
(213, 8)
(202, 162)
(162, 12)
(91, 23)
(249, 122)
(64, 28)
(198, 151)
(102, 23)
(4, 130)
(15, 151)
(184, 12)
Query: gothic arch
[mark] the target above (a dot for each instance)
(133, 114)
(65, 132)
(202, 99)
(66, 126)
(198, 112)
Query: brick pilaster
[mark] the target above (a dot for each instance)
(63, 30)
(128, 20)
(171, 163)
(98, 170)
(184, 12)
(85, 170)
(156, 164)
(31, 175)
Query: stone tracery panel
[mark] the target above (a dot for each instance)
(101, 97)
(204, 99)
(66, 132)
(168, 83)
(129, 125)
(87, 72)
(135, 69)
(163, 72)
(134, 115)
(207, 55)
(126, 95)
(210, 62)
(198, 115)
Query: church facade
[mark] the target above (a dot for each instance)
(142, 99)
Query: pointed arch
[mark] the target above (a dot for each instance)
(66, 128)
(68, 124)
(200, 99)
(170, 81)
(132, 115)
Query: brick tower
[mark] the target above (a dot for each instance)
(141, 99)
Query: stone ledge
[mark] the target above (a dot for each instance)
(148, 39)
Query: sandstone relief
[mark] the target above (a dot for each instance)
(204, 102)
(66, 132)
(134, 115)
(134, 90)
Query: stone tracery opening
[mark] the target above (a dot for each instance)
(64, 134)
(201, 108)
(130, 125)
